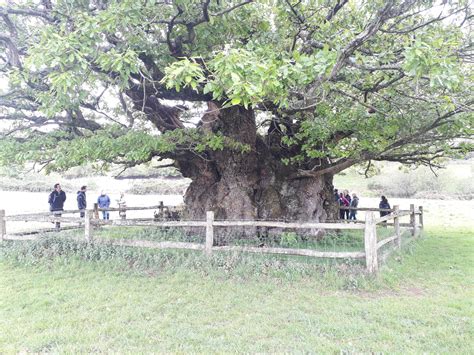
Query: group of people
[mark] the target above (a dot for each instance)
(57, 198)
(344, 199)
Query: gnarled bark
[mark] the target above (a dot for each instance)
(251, 185)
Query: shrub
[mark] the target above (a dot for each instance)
(422, 183)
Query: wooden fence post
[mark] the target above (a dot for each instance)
(87, 225)
(370, 243)
(96, 211)
(3, 229)
(420, 208)
(412, 219)
(209, 232)
(396, 225)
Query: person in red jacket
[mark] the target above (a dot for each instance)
(343, 202)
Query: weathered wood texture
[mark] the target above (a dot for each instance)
(209, 232)
(152, 244)
(288, 225)
(396, 226)
(412, 219)
(96, 211)
(42, 218)
(370, 243)
(289, 251)
(148, 222)
(404, 225)
(392, 215)
(420, 214)
(45, 230)
(115, 209)
(385, 241)
(366, 209)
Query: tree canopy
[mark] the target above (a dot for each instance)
(331, 83)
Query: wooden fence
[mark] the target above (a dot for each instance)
(371, 251)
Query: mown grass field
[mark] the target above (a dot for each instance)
(421, 301)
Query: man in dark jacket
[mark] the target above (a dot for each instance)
(56, 202)
(384, 205)
(81, 201)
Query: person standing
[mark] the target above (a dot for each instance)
(349, 200)
(56, 201)
(122, 205)
(104, 203)
(354, 204)
(385, 205)
(342, 203)
(81, 201)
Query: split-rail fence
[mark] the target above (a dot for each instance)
(371, 252)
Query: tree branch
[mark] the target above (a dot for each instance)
(26, 12)
(339, 5)
(223, 12)
(332, 169)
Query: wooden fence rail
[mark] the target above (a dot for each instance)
(370, 252)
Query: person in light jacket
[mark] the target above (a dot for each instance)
(104, 203)
(354, 204)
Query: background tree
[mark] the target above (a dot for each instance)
(294, 92)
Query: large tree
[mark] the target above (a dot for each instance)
(259, 103)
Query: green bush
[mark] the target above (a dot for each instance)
(422, 183)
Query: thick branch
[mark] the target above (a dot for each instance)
(332, 169)
(13, 55)
(339, 5)
(26, 12)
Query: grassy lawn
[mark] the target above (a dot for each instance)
(422, 301)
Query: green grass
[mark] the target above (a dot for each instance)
(421, 302)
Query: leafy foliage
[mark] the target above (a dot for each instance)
(340, 84)
(111, 145)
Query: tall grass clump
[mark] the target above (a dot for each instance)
(57, 250)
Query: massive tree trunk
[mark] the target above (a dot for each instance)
(251, 185)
